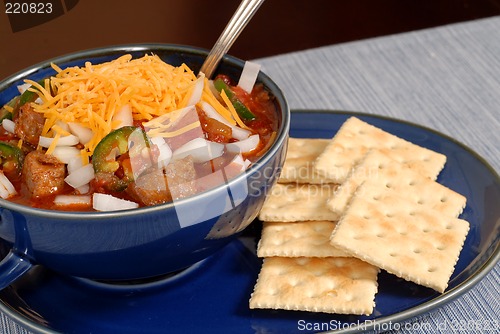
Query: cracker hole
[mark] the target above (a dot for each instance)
(412, 183)
(366, 217)
(282, 272)
(426, 230)
(312, 294)
(393, 254)
(348, 298)
(417, 251)
(388, 185)
(449, 227)
(389, 215)
(412, 213)
(441, 247)
(303, 261)
(432, 269)
(420, 201)
(403, 232)
(319, 229)
(443, 199)
(380, 235)
(376, 197)
(318, 273)
(339, 262)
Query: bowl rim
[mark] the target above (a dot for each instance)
(281, 136)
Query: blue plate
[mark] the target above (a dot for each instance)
(212, 296)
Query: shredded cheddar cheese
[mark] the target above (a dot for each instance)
(210, 98)
(174, 133)
(92, 94)
(52, 146)
(232, 110)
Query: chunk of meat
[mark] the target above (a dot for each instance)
(29, 124)
(176, 181)
(43, 174)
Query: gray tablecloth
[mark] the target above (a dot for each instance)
(446, 78)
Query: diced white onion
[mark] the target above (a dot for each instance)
(74, 164)
(63, 125)
(212, 88)
(22, 88)
(240, 133)
(69, 140)
(197, 91)
(6, 187)
(165, 151)
(83, 189)
(247, 163)
(238, 161)
(4, 193)
(158, 141)
(105, 202)
(249, 76)
(8, 125)
(81, 176)
(212, 113)
(124, 117)
(66, 153)
(200, 149)
(83, 133)
(244, 146)
(237, 132)
(72, 199)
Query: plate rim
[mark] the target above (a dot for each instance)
(399, 317)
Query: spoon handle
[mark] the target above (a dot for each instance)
(241, 17)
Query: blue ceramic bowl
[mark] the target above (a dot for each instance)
(144, 242)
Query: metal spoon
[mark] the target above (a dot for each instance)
(241, 17)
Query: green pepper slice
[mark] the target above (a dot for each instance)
(6, 114)
(18, 101)
(28, 95)
(239, 106)
(117, 143)
(11, 160)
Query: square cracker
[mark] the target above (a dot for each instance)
(355, 138)
(410, 184)
(290, 202)
(298, 239)
(411, 241)
(330, 285)
(300, 156)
